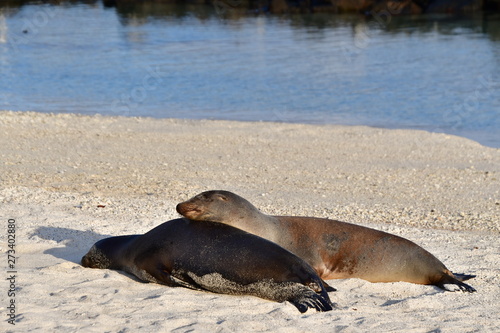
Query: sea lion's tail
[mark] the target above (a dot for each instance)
(309, 299)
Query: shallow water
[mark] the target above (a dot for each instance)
(437, 73)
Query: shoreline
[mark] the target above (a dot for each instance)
(69, 181)
(406, 177)
(487, 140)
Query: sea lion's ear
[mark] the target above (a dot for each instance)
(222, 197)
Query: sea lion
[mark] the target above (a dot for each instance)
(336, 250)
(215, 257)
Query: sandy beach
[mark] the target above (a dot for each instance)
(69, 180)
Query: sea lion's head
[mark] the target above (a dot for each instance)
(96, 258)
(108, 252)
(216, 206)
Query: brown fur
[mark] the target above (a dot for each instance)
(335, 249)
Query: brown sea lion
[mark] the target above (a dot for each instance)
(214, 257)
(336, 250)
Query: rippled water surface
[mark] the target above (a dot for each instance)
(436, 73)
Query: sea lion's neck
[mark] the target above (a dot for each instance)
(116, 250)
(257, 223)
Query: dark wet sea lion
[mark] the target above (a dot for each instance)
(215, 257)
(336, 250)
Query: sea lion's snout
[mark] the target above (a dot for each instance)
(95, 258)
(86, 262)
(188, 210)
(180, 208)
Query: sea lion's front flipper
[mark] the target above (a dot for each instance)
(187, 284)
(159, 275)
(309, 299)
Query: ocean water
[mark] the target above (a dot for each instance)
(438, 73)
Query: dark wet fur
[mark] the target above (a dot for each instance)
(175, 251)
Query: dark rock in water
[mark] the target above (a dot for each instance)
(278, 6)
(491, 5)
(454, 6)
(394, 7)
(353, 5)
(398, 7)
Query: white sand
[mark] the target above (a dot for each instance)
(57, 171)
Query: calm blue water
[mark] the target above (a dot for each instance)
(434, 73)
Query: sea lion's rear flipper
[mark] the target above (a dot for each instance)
(463, 277)
(460, 286)
(451, 280)
(327, 286)
(309, 299)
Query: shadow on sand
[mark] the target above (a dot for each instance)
(76, 242)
